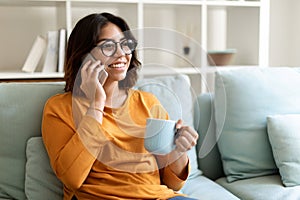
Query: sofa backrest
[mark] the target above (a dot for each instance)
(20, 119)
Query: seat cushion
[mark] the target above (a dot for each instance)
(201, 187)
(267, 187)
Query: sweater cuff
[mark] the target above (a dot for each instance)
(172, 180)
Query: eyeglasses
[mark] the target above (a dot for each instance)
(109, 47)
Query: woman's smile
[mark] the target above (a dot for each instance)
(117, 65)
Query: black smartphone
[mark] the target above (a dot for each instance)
(102, 74)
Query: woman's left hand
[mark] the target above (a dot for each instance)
(186, 137)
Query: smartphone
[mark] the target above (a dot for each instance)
(102, 74)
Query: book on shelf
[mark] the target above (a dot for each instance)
(62, 39)
(50, 63)
(54, 47)
(35, 54)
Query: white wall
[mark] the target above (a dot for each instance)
(19, 28)
(285, 33)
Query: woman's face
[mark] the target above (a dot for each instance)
(117, 64)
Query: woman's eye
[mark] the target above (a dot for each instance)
(108, 45)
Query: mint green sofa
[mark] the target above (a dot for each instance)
(25, 172)
(249, 130)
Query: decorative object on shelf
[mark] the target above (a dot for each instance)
(218, 54)
(186, 50)
(189, 33)
(221, 58)
(217, 28)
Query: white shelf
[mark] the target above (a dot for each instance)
(208, 3)
(173, 2)
(234, 3)
(25, 75)
(106, 1)
(31, 2)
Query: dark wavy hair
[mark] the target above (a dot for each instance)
(83, 39)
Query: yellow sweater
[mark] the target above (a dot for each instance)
(106, 161)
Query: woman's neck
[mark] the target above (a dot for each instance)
(115, 97)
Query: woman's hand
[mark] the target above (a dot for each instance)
(186, 137)
(90, 84)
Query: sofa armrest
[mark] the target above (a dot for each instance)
(209, 159)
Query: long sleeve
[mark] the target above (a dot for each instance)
(70, 158)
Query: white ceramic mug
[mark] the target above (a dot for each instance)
(160, 136)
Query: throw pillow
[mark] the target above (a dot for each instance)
(284, 136)
(243, 99)
(40, 180)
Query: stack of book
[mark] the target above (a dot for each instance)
(53, 46)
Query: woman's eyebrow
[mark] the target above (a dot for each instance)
(110, 39)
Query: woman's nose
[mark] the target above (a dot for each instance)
(119, 51)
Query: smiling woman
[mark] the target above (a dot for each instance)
(94, 132)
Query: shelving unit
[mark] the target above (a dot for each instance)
(186, 18)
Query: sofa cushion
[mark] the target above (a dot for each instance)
(201, 187)
(40, 180)
(243, 100)
(21, 113)
(284, 135)
(261, 188)
(174, 93)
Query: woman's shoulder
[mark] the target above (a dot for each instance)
(59, 101)
(60, 98)
(59, 106)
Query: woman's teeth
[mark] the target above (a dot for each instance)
(119, 65)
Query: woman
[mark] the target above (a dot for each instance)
(93, 132)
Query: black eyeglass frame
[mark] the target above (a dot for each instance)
(132, 49)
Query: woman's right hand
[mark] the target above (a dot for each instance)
(91, 86)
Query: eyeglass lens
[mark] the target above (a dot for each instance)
(110, 47)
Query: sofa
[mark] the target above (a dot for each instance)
(25, 172)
